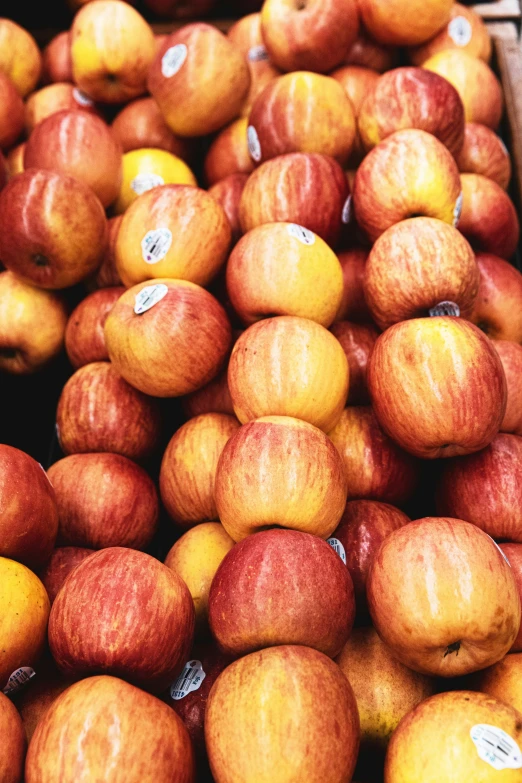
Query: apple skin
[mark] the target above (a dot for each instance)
(363, 527)
(80, 144)
(288, 189)
(357, 341)
(375, 467)
(187, 322)
(421, 179)
(246, 35)
(289, 366)
(32, 325)
(63, 560)
(104, 500)
(145, 631)
(195, 557)
(281, 587)
(385, 689)
(303, 112)
(228, 154)
(420, 573)
(353, 305)
(484, 153)
(13, 164)
(56, 59)
(138, 164)
(297, 694)
(99, 412)
(404, 22)
(502, 681)
(189, 465)
(271, 272)
(437, 386)
(107, 275)
(228, 192)
(415, 265)
(356, 81)
(475, 82)
(497, 506)
(513, 552)
(112, 47)
(511, 357)
(474, 39)
(283, 472)
(212, 398)
(53, 229)
(489, 219)
(140, 124)
(75, 738)
(368, 53)
(11, 113)
(311, 36)
(14, 745)
(497, 308)
(20, 57)
(84, 336)
(53, 98)
(209, 87)
(23, 622)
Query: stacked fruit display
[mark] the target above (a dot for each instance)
(297, 237)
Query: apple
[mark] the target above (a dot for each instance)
(363, 527)
(212, 398)
(152, 323)
(189, 465)
(56, 59)
(104, 500)
(288, 366)
(309, 35)
(112, 47)
(416, 265)
(375, 467)
(460, 735)
(511, 357)
(484, 153)
(145, 630)
(412, 98)
(84, 336)
(32, 325)
(107, 275)
(368, 53)
(437, 386)
(199, 80)
(513, 552)
(489, 219)
(443, 598)
(11, 112)
(302, 112)
(409, 174)
(195, 557)
(228, 192)
(475, 82)
(12, 751)
(53, 229)
(60, 96)
(497, 308)
(20, 57)
(4, 171)
(404, 22)
(357, 341)
(228, 154)
(357, 81)
(80, 144)
(271, 271)
(385, 690)
(140, 124)
(14, 163)
(283, 472)
(23, 623)
(103, 725)
(465, 31)
(29, 520)
(296, 695)
(175, 231)
(246, 35)
(99, 411)
(63, 560)
(288, 189)
(149, 168)
(353, 305)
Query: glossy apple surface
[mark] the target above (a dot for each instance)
(246, 35)
(149, 168)
(228, 192)
(20, 58)
(11, 112)
(228, 154)
(63, 560)
(357, 341)
(484, 153)
(56, 59)
(13, 742)
(404, 22)
(497, 310)
(53, 98)
(511, 357)
(140, 124)
(489, 219)
(353, 305)
(466, 31)
(84, 336)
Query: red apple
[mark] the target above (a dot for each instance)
(104, 500)
(12, 750)
(99, 411)
(357, 341)
(443, 598)
(404, 22)
(511, 357)
(513, 552)
(107, 275)
(101, 726)
(212, 398)
(81, 145)
(199, 80)
(20, 58)
(363, 527)
(84, 336)
(368, 53)
(288, 189)
(53, 229)
(13, 164)
(466, 31)
(437, 386)
(145, 630)
(416, 265)
(188, 468)
(484, 153)
(228, 154)
(357, 81)
(353, 305)
(489, 219)
(63, 560)
(228, 192)
(498, 306)
(53, 98)
(152, 323)
(375, 467)
(140, 125)
(11, 113)
(56, 59)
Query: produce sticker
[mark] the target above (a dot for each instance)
(189, 680)
(495, 747)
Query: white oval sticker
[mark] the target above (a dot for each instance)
(149, 296)
(143, 182)
(189, 680)
(457, 212)
(81, 98)
(337, 547)
(304, 235)
(257, 53)
(496, 747)
(460, 31)
(347, 211)
(155, 245)
(173, 59)
(19, 679)
(254, 146)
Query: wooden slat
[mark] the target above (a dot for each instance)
(499, 9)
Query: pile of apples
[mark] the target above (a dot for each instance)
(297, 236)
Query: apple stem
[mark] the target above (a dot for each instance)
(452, 648)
